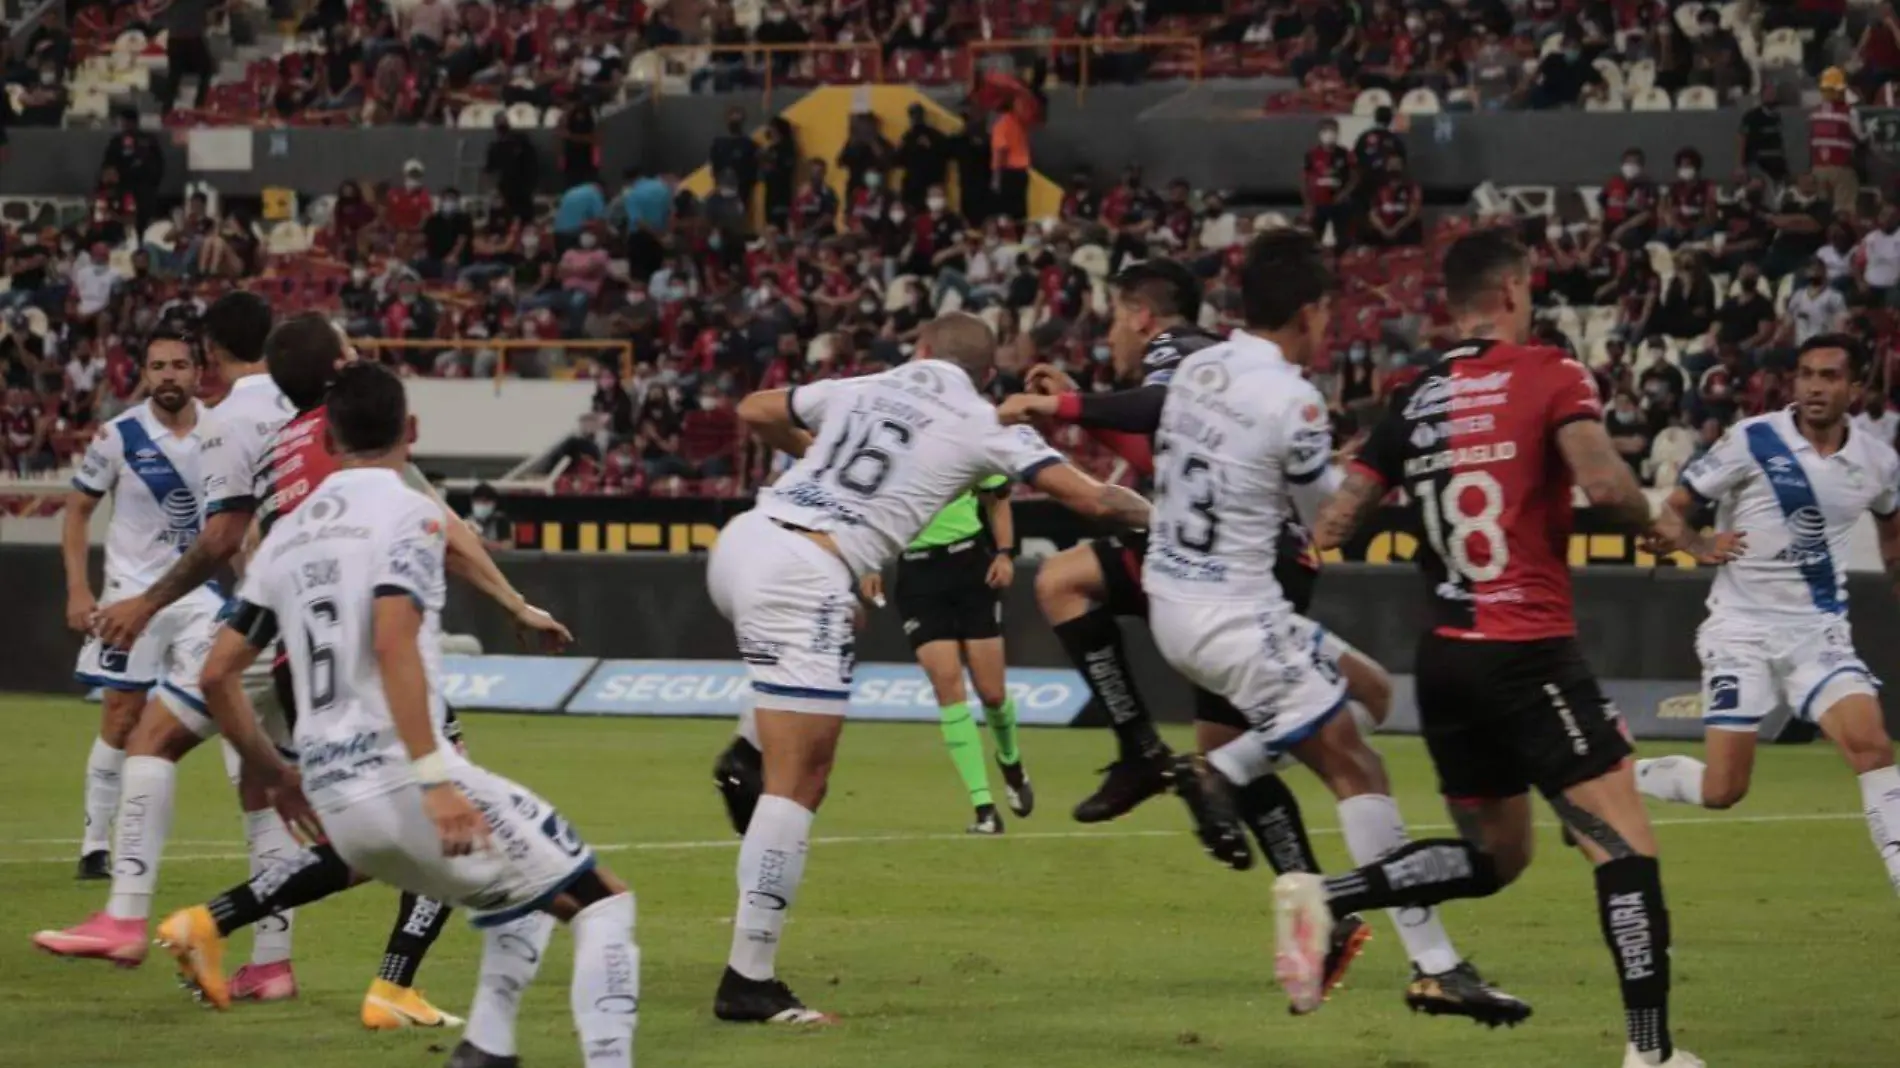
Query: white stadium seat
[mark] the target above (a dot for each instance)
(1371, 100)
(1697, 98)
(1420, 101)
(1651, 99)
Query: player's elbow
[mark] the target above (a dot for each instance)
(223, 533)
(759, 410)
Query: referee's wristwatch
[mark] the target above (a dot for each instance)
(1010, 551)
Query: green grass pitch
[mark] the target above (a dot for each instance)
(1055, 946)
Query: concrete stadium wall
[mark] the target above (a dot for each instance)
(1635, 623)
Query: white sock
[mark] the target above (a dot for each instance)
(1372, 828)
(271, 844)
(1880, 794)
(749, 726)
(138, 835)
(1242, 760)
(103, 767)
(606, 991)
(771, 864)
(511, 955)
(1671, 778)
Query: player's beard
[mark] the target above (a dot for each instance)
(171, 398)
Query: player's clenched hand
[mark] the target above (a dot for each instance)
(1717, 548)
(80, 606)
(1002, 572)
(462, 826)
(872, 588)
(1023, 407)
(1048, 380)
(119, 625)
(537, 628)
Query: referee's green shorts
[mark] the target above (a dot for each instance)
(943, 596)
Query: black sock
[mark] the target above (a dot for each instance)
(1271, 810)
(311, 876)
(1636, 927)
(1094, 644)
(418, 925)
(1417, 875)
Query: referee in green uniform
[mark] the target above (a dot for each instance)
(949, 591)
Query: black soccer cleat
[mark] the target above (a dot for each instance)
(740, 777)
(988, 820)
(1463, 992)
(1022, 796)
(742, 1000)
(1350, 936)
(1211, 804)
(1128, 784)
(468, 1055)
(94, 867)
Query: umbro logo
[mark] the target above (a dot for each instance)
(1779, 464)
(145, 454)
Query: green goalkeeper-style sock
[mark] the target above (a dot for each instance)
(1002, 721)
(966, 751)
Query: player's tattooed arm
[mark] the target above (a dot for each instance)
(1090, 499)
(1123, 507)
(1888, 530)
(1348, 509)
(1603, 475)
(121, 623)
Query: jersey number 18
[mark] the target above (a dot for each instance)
(1449, 528)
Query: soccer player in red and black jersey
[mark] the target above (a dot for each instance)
(1488, 446)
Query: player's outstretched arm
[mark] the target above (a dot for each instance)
(396, 639)
(74, 539)
(468, 559)
(1671, 531)
(769, 416)
(121, 623)
(1347, 510)
(1086, 497)
(1603, 475)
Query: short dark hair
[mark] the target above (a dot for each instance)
(1165, 287)
(171, 332)
(1847, 343)
(1475, 260)
(368, 409)
(1282, 273)
(238, 323)
(484, 492)
(302, 354)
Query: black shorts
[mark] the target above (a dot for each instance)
(1501, 717)
(944, 594)
(1120, 559)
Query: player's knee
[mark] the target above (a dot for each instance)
(1372, 687)
(1059, 591)
(1868, 751)
(948, 687)
(992, 694)
(1723, 794)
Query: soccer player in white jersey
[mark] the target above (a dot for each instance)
(879, 456)
(354, 581)
(1243, 433)
(147, 461)
(1793, 483)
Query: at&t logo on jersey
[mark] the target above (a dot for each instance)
(181, 518)
(1807, 533)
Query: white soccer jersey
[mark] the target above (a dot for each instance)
(1797, 508)
(1243, 437)
(236, 434)
(153, 477)
(891, 450)
(319, 572)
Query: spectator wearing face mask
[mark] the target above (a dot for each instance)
(358, 298)
(488, 521)
(612, 403)
(1327, 172)
(514, 166)
(409, 205)
(1628, 200)
(582, 272)
(496, 250)
(93, 280)
(580, 207)
(448, 237)
(1815, 308)
(656, 437)
(1799, 221)
(1629, 430)
(815, 206)
(1688, 204)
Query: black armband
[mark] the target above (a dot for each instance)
(257, 624)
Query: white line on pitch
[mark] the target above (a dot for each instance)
(872, 839)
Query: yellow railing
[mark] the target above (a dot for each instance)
(501, 347)
(682, 61)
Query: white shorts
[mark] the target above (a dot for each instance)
(1275, 667)
(793, 606)
(1750, 668)
(169, 656)
(532, 856)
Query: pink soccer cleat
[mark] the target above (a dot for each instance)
(264, 982)
(101, 937)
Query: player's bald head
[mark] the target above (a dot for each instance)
(962, 339)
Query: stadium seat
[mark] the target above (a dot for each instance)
(1532, 201)
(1612, 102)
(1639, 76)
(1093, 259)
(1611, 74)
(524, 116)
(1781, 48)
(1371, 100)
(288, 238)
(478, 115)
(551, 118)
(1420, 101)
(1697, 98)
(1488, 199)
(1651, 99)
(1270, 220)
(1783, 291)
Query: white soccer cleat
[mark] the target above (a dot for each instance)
(1303, 930)
(1681, 1058)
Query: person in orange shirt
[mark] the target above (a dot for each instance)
(1009, 162)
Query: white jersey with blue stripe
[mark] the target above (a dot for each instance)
(1797, 508)
(889, 451)
(1245, 444)
(153, 477)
